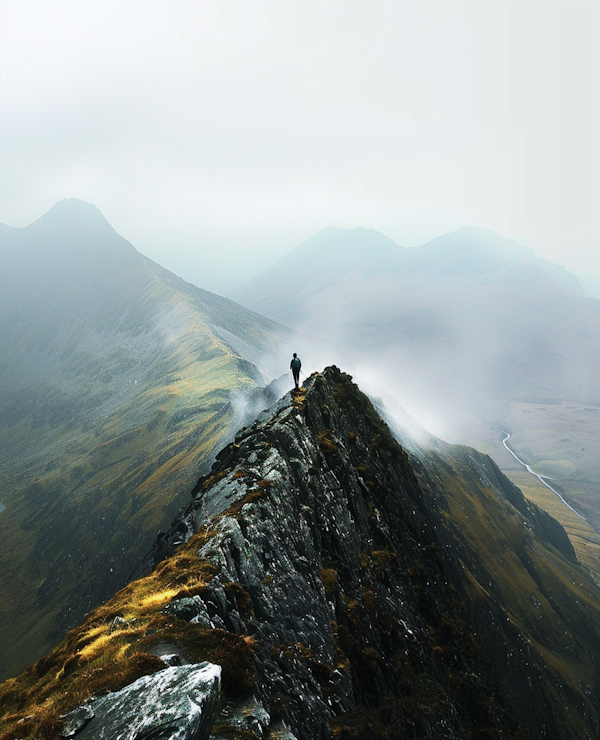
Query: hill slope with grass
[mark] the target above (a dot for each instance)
(347, 586)
(118, 381)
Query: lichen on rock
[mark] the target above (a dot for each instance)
(177, 703)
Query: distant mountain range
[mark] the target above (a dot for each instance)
(475, 316)
(118, 380)
(471, 321)
(334, 256)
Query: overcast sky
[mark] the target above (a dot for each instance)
(216, 136)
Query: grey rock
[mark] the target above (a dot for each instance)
(118, 623)
(171, 660)
(76, 720)
(178, 703)
(249, 717)
(204, 620)
(168, 651)
(186, 608)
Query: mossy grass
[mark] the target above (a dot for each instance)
(298, 397)
(326, 441)
(329, 576)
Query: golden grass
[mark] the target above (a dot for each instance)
(97, 647)
(92, 659)
(154, 601)
(326, 442)
(89, 476)
(298, 397)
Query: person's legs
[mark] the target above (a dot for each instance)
(296, 375)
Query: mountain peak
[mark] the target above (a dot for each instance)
(358, 240)
(322, 260)
(473, 248)
(71, 232)
(475, 240)
(73, 215)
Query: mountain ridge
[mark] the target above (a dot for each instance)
(340, 251)
(79, 213)
(474, 242)
(459, 339)
(346, 588)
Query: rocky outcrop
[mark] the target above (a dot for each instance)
(371, 604)
(177, 703)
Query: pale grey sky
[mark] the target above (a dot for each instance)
(227, 132)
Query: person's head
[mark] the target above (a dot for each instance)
(294, 354)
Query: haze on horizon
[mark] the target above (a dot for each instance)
(218, 136)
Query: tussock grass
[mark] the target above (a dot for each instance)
(100, 656)
(154, 601)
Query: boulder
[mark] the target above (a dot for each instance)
(178, 703)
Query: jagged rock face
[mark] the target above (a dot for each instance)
(349, 587)
(177, 703)
(373, 611)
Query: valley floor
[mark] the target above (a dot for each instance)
(584, 537)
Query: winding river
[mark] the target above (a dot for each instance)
(542, 480)
(507, 436)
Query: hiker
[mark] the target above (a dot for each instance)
(295, 366)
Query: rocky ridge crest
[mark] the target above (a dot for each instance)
(349, 588)
(358, 582)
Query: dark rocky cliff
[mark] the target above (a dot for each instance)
(349, 589)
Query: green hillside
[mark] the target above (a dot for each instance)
(116, 386)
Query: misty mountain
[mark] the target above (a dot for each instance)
(471, 321)
(341, 585)
(474, 316)
(336, 255)
(118, 380)
(315, 267)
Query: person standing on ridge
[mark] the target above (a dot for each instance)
(295, 366)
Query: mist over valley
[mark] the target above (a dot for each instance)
(471, 333)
